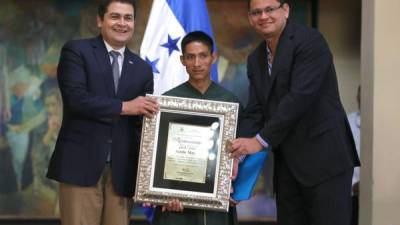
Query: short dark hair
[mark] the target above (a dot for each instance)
(197, 36)
(280, 1)
(103, 5)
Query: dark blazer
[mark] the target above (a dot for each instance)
(297, 110)
(92, 125)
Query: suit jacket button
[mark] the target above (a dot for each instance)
(109, 141)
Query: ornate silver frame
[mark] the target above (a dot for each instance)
(219, 199)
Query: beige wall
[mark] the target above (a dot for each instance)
(340, 23)
(380, 187)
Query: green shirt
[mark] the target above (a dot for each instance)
(214, 92)
(196, 216)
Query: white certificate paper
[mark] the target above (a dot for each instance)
(187, 152)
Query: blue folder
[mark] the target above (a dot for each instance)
(247, 175)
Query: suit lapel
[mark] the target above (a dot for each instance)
(263, 76)
(103, 61)
(126, 73)
(262, 60)
(282, 56)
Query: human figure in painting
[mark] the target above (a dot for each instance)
(25, 115)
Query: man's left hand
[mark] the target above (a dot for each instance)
(235, 168)
(244, 146)
(232, 202)
(173, 205)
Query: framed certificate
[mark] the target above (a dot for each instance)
(183, 153)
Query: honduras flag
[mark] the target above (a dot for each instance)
(168, 23)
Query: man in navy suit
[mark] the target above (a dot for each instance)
(103, 86)
(294, 107)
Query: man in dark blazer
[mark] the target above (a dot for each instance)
(294, 107)
(102, 85)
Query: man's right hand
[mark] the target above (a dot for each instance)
(244, 146)
(173, 205)
(146, 106)
(235, 168)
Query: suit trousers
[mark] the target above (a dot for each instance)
(96, 205)
(326, 203)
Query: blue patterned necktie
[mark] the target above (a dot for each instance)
(115, 68)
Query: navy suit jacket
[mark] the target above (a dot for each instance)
(92, 125)
(297, 109)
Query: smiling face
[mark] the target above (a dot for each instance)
(198, 59)
(268, 17)
(117, 25)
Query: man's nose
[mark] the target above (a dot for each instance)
(197, 61)
(122, 21)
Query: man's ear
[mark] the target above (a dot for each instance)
(182, 60)
(286, 8)
(99, 21)
(214, 56)
(250, 20)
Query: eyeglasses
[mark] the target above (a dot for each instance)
(256, 13)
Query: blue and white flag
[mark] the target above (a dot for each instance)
(248, 173)
(168, 23)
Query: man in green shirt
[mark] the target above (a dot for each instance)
(198, 57)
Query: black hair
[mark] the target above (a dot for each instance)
(103, 5)
(197, 36)
(280, 1)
